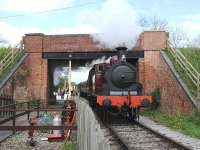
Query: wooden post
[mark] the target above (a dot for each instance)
(14, 114)
(69, 78)
(28, 107)
(198, 87)
(38, 108)
(12, 55)
(1, 68)
(175, 50)
(1, 105)
(6, 103)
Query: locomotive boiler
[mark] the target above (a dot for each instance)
(115, 86)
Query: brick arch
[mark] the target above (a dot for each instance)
(152, 69)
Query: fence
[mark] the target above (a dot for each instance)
(16, 110)
(12, 56)
(185, 65)
(20, 109)
(4, 101)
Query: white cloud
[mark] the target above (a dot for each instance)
(116, 21)
(32, 5)
(192, 28)
(12, 34)
(191, 17)
(81, 29)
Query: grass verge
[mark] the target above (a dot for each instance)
(68, 146)
(192, 88)
(186, 124)
(4, 51)
(193, 56)
(9, 68)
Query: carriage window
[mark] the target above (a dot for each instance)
(101, 68)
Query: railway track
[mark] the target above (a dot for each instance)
(139, 138)
(126, 135)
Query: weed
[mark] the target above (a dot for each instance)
(68, 146)
(155, 99)
(186, 124)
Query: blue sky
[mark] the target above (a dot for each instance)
(184, 13)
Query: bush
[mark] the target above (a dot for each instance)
(155, 99)
(4, 51)
(68, 146)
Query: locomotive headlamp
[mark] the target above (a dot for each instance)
(145, 102)
(107, 102)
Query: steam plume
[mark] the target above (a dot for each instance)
(116, 22)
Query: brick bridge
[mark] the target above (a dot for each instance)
(153, 71)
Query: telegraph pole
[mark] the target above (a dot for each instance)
(69, 77)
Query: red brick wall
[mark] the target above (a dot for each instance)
(153, 40)
(61, 43)
(154, 73)
(35, 84)
(7, 89)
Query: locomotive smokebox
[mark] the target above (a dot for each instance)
(121, 53)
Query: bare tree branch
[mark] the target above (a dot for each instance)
(178, 37)
(196, 42)
(154, 23)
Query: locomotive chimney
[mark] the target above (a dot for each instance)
(121, 53)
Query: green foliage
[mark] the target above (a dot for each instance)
(155, 99)
(186, 124)
(193, 56)
(73, 83)
(4, 51)
(61, 83)
(34, 103)
(68, 146)
(24, 104)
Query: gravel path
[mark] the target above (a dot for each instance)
(19, 142)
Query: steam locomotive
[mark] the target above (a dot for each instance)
(114, 86)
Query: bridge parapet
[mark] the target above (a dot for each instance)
(38, 42)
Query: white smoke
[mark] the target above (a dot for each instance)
(59, 72)
(97, 61)
(116, 23)
(81, 74)
(78, 75)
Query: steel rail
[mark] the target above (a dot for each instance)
(117, 138)
(120, 140)
(162, 136)
(130, 124)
